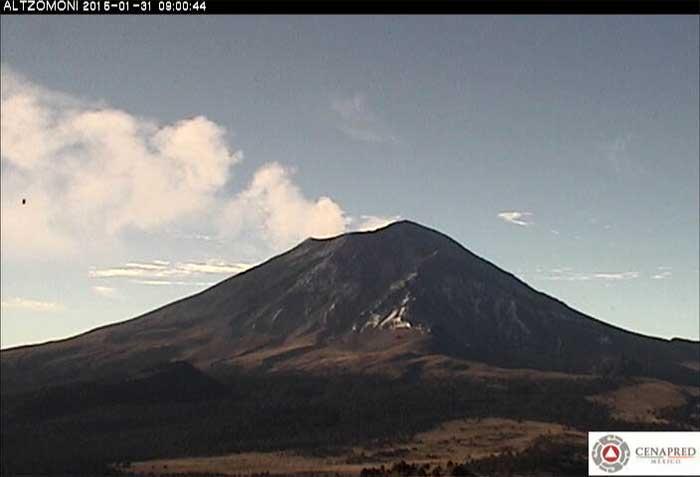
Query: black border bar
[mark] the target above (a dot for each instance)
(457, 6)
(379, 7)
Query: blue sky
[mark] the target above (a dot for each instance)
(159, 155)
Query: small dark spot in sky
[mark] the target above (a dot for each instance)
(24, 201)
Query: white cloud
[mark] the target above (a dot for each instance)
(358, 121)
(161, 269)
(91, 173)
(107, 292)
(617, 275)
(567, 274)
(368, 223)
(664, 273)
(277, 207)
(214, 266)
(25, 304)
(132, 270)
(517, 218)
(567, 277)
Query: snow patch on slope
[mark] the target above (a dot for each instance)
(394, 320)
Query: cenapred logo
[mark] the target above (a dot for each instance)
(610, 453)
(638, 453)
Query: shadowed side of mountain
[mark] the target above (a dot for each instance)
(395, 293)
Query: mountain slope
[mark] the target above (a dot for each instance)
(366, 339)
(394, 294)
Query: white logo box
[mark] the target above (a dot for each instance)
(644, 453)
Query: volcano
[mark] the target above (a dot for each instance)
(351, 303)
(344, 341)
